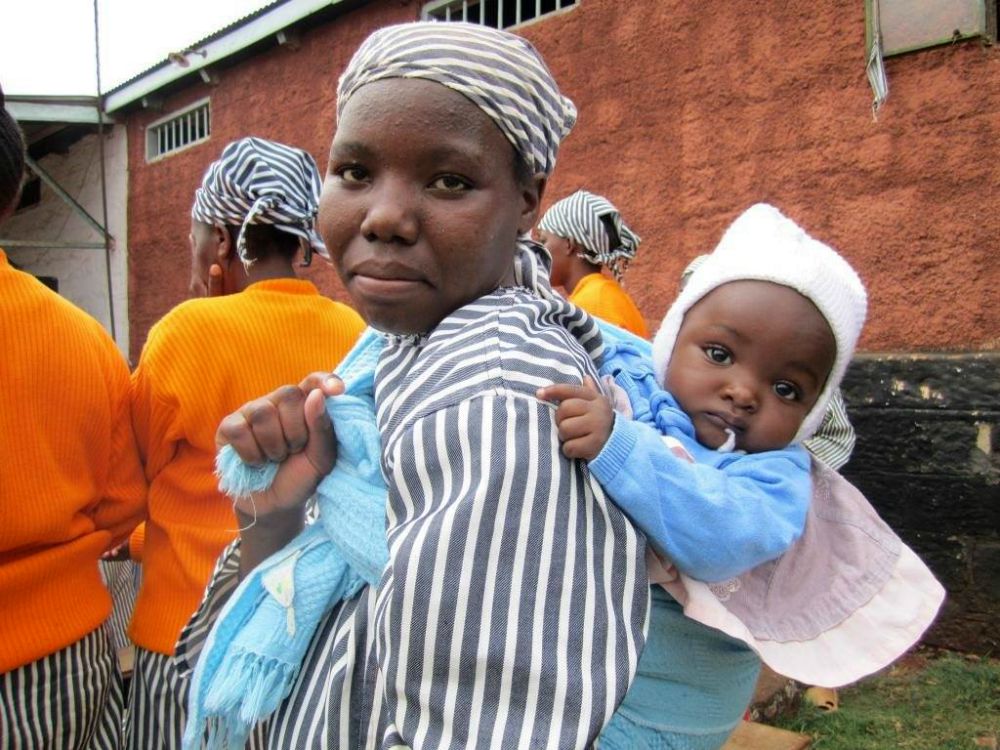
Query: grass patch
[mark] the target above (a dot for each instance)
(928, 701)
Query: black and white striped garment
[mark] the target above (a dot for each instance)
(156, 718)
(121, 579)
(70, 700)
(257, 181)
(512, 611)
(514, 607)
(834, 440)
(584, 217)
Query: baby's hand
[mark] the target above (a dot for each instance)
(584, 417)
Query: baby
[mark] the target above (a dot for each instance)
(710, 465)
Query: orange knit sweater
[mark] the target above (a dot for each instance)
(71, 484)
(203, 360)
(603, 297)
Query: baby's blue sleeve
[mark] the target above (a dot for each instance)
(712, 522)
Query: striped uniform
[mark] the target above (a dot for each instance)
(834, 441)
(513, 608)
(70, 700)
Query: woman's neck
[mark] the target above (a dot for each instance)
(578, 270)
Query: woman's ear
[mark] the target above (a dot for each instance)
(531, 195)
(223, 243)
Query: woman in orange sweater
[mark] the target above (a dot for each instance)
(253, 212)
(583, 233)
(71, 486)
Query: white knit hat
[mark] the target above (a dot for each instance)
(764, 245)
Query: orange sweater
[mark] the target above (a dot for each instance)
(203, 360)
(71, 484)
(603, 297)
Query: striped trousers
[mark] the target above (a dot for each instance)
(68, 700)
(157, 712)
(157, 703)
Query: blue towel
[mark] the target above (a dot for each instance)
(253, 654)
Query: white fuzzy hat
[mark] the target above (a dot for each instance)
(764, 245)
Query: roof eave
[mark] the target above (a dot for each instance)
(215, 50)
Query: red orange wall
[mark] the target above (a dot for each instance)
(689, 112)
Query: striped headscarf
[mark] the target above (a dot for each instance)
(584, 218)
(500, 73)
(257, 181)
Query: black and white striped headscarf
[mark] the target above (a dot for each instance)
(257, 181)
(582, 217)
(500, 73)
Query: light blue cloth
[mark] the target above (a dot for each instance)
(252, 656)
(755, 504)
(691, 687)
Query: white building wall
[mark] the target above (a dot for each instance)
(81, 272)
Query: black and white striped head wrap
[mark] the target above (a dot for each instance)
(500, 73)
(588, 220)
(257, 181)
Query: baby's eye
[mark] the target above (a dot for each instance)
(450, 183)
(352, 173)
(787, 391)
(719, 355)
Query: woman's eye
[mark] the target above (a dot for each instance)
(786, 391)
(450, 184)
(352, 174)
(718, 355)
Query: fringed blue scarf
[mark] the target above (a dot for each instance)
(252, 656)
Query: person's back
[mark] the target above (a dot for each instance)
(201, 361)
(264, 327)
(71, 486)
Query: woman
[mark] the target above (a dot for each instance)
(71, 486)
(585, 233)
(512, 609)
(252, 215)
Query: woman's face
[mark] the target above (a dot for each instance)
(560, 250)
(420, 207)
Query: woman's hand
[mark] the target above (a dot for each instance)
(290, 426)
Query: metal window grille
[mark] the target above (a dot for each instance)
(179, 130)
(500, 14)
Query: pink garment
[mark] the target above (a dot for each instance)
(846, 599)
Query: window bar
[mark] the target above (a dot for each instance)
(447, 13)
(517, 12)
(538, 8)
(465, 10)
(499, 14)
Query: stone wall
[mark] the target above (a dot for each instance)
(928, 457)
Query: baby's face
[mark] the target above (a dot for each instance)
(752, 357)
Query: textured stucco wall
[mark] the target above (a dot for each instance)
(284, 94)
(688, 113)
(82, 273)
